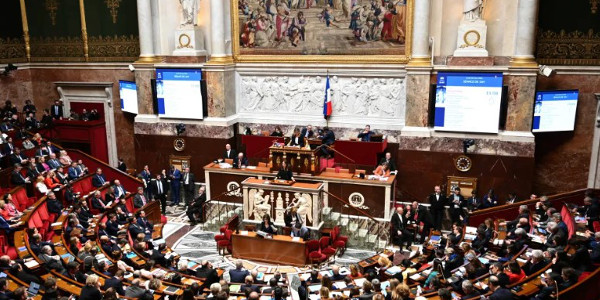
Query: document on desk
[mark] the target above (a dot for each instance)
(244, 232)
(359, 281)
(296, 239)
(32, 264)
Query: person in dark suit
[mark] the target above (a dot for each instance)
(284, 172)
(249, 285)
(327, 139)
(535, 263)
(590, 211)
(122, 166)
(175, 177)
(437, 201)
(74, 172)
(365, 135)
(189, 185)
(469, 290)
(296, 139)
(119, 189)
(267, 226)
(457, 204)
(229, 153)
(489, 200)
(135, 229)
(197, 205)
(548, 287)
(73, 272)
(115, 282)
(208, 273)
(139, 200)
(97, 202)
(9, 147)
(143, 221)
(17, 157)
(56, 110)
(473, 202)
(158, 257)
(307, 132)
(499, 292)
(389, 160)
(16, 178)
(240, 162)
(99, 179)
(112, 226)
(425, 220)
(238, 275)
(159, 189)
(54, 206)
(400, 234)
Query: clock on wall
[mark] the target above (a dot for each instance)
(179, 144)
(463, 163)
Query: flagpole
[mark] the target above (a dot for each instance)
(327, 119)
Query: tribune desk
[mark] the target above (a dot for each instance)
(280, 249)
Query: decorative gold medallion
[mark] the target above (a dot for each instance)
(113, 5)
(471, 38)
(184, 41)
(179, 144)
(463, 163)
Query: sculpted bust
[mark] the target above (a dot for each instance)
(472, 9)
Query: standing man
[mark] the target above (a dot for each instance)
(175, 176)
(437, 201)
(457, 203)
(390, 161)
(229, 153)
(327, 139)
(56, 110)
(159, 189)
(196, 206)
(147, 176)
(189, 182)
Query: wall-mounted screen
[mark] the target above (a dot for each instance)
(555, 111)
(128, 94)
(179, 93)
(468, 102)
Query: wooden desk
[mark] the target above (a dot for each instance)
(277, 250)
(300, 160)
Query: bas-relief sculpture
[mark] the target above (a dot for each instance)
(189, 11)
(274, 205)
(351, 96)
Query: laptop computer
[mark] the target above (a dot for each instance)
(33, 289)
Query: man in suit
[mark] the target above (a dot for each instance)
(534, 263)
(139, 200)
(54, 206)
(119, 189)
(9, 147)
(240, 162)
(16, 178)
(208, 273)
(147, 177)
(74, 172)
(159, 189)
(6, 126)
(175, 177)
(50, 149)
(143, 222)
(51, 262)
(158, 257)
(238, 275)
(249, 284)
(18, 158)
(457, 204)
(399, 232)
(437, 201)
(115, 282)
(365, 135)
(189, 183)
(499, 292)
(56, 110)
(473, 202)
(327, 139)
(229, 153)
(523, 214)
(97, 202)
(548, 287)
(99, 179)
(590, 211)
(52, 162)
(112, 226)
(307, 132)
(469, 290)
(196, 206)
(73, 272)
(135, 229)
(512, 198)
(41, 151)
(389, 160)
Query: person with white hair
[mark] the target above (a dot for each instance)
(215, 288)
(535, 262)
(91, 290)
(52, 262)
(469, 290)
(238, 274)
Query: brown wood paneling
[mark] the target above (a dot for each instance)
(374, 198)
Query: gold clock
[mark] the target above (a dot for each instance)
(463, 163)
(179, 144)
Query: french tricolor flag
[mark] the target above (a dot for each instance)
(327, 105)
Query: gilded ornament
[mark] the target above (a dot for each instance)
(52, 8)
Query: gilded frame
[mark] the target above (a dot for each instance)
(287, 58)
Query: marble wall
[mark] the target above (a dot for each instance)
(17, 87)
(562, 158)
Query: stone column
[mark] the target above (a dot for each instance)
(420, 34)
(218, 27)
(594, 173)
(525, 36)
(144, 11)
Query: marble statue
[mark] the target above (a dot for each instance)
(304, 204)
(189, 9)
(472, 9)
(261, 205)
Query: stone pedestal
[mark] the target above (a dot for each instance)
(189, 42)
(471, 39)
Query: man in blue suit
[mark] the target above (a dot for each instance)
(74, 172)
(99, 179)
(238, 275)
(175, 176)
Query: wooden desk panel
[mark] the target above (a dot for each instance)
(277, 250)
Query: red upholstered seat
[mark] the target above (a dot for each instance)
(596, 225)
(6, 249)
(163, 219)
(21, 200)
(313, 253)
(225, 243)
(338, 241)
(325, 247)
(129, 205)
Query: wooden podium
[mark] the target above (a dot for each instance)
(300, 160)
(262, 197)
